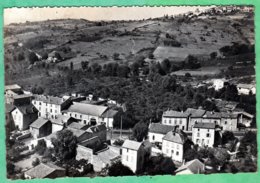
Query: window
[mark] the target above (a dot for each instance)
(207, 135)
(180, 121)
(198, 134)
(70, 114)
(177, 146)
(126, 157)
(40, 103)
(225, 122)
(126, 150)
(75, 115)
(198, 129)
(175, 121)
(85, 122)
(197, 141)
(177, 153)
(80, 116)
(172, 151)
(50, 110)
(165, 121)
(170, 121)
(153, 137)
(182, 127)
(34, 102)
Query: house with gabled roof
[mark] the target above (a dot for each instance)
(45, 170)
(176, 118)
(61, 121)
(203, 134)
(86, 113)
(49, 106)
(195, 116)
(23, 116)
(246, 89)
(41, 128)
(157, 131)
(173, 144)
(133, 155)
(11, 91)
(191, 167)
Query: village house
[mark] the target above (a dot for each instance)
(22, 99)
(191, 167)
(229, 121)
(90, 114)
(219, 83)
(9, 122)
(23, 116)
(49, 106)
(246, 89)
(60, 121)
(195, 116)
(11, 91)
(174, 118)
(212, 117)
(173, 144)
(99, 159)
(157, 131)
(98, 130)
(45, 171)
(108, 117)
(203, 134)
(133, 155)
(41, 128)
(244, 118)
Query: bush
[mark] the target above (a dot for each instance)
(118, 169)
(36, 162)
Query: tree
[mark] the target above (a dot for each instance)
(227, 136)
(135, 69)
(65, 145)
(32, 57)
(123, 71)
(84, 65)
(71, 65)
(166, 65)
(140, 131)
(159, 165)
(45, 55)
(40, 147)
(213, 55)
(118, 169)
(36, 162)
(10, 168)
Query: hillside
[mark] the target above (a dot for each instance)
(172, 38)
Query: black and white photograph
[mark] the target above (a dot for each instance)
(129, 91)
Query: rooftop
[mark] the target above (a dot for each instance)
(195, 166)
(211, 114)
(160, 128)
(27, 109)
(88, 109)
(12, 87)
(50, 99)
(61, 119)
(109, 113)
(195, 112)
(42, 170)
(78, 126)
(205, 125)
(38, 123)
(175, 136)
(95, 129)
(171, 113)
(246, 86)
(130, 144)
(77, 132)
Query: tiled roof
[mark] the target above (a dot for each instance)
(171, 113)
(195, 166)
(246, 86)
(107, 156)
(88, 109)
(160, 128)
(23, 96)
(95, 129)
(130, 144)
(196, 113)
(229, 115)
(77, 125)
(176, 136)
(77, 132)
(38, 123)
(61, 119)
(210, 114)
(12, 87)
(205, 125)
(27, 109)
(109, 113)
(50, 99)
(42, 170)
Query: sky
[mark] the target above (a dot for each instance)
(21, 15)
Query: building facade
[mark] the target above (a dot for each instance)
(203, 134)
(175, 118)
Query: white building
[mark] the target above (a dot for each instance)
(172, 145)
(133, 155)
(23, 116)
(246, 89)
(218, 83)
(195, 116)
(203, 134)
(175, 118)
(157, 131)
(48, 106)
(91, 114)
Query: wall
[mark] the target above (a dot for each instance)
(173, 150)
(157, 137)
(229, 124)
(201, 134)
(129, 158)
(173, 121)
(18, 119)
